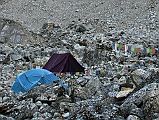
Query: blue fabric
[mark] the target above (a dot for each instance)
(18, 88)
(29, 79)
(113, 45)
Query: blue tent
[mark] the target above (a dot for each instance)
(29, 79)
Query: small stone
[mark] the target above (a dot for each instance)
(57, 115)
(156, 116)
(37, 114)
(5, 99)
(80, 28)
(133, 117)
(39, 103)
(66, 115)
(124, 93)
(138, 112)
(47, 116)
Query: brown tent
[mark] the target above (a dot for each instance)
(62, 63)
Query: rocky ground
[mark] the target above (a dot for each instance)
(130, 15)
(114, 87)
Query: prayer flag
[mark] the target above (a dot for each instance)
(132, 49)
(129, 49)
(113, 45)
(138, 50)
(153, 51)
(123, 47)
(144, 50)
(148, 50)
(126, 49)
(120, 46)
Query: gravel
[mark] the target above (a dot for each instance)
(130, 15)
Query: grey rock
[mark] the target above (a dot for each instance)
(156, 119)
(137, 112)
(151, 105)
(155, 116)
(45, 108)
(122, 80)
(127, 108)
(2, 117)
(141, 96)
(133, 117)
(16, 57)
(37, 114)
(38, 103)
(66, 115)
(12, 32)
(80, 28)
(139, 76)
(57, 115)
(38, 118)
(119, 118)
(47, 116)
(3, 40)
(5, 99)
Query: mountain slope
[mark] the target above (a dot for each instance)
(139, 18)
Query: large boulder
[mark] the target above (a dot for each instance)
(93, 87)
(12, 32)
(139, 76)
(146, 98)
(151, 105)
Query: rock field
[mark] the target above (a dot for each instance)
(115, 85)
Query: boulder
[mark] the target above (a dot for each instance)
(151, 105)
(92, 88)
(142, 98)
(139, 76)
(80, 28)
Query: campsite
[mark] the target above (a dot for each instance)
(79, 60)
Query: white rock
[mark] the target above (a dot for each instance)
(38, 103)
(132, 117)
(124, 93)
(65, 115)
(57, 114)
(5, 99)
